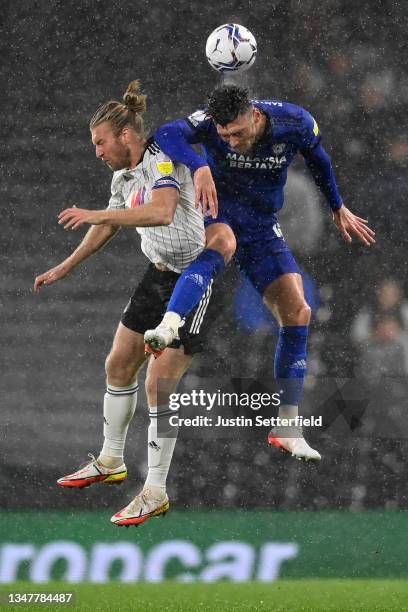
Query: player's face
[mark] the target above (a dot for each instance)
(109, 147)
(242, 133)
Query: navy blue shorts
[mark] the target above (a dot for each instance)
(263, 259)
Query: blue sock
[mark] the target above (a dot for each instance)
(194, 281)
(290, 363)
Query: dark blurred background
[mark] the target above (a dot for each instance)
(346, 63)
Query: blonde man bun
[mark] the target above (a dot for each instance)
(131, 99)
(123, 114)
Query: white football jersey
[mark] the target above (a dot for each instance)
(175, 245)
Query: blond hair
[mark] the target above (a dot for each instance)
(120, 115)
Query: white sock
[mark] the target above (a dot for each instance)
(118, 409)
(160, 449)
(171, 319)
(289, 411)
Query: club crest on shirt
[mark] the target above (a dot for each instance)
(278, 148)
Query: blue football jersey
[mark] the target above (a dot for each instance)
(250, 185)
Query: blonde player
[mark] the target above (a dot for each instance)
(156, 196)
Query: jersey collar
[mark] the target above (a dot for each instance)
(129, 173)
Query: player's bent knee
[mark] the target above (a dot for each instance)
(299, 315)
(224, 244)
(303, 315)
(119, 372)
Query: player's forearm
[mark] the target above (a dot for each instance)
(320, 166)
(148, 215)
(174, 139)
(96, 237)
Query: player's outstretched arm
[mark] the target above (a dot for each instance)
(93, 241)
(320, 166)
(159, 211)
(351, 225)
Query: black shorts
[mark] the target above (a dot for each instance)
(148, 304)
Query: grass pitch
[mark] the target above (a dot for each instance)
(281, 596)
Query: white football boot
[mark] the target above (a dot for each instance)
(150, 502)
(93, 472)
(296, 445)
(156, 340)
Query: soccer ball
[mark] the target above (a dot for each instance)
(231, 48)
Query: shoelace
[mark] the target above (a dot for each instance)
(91, 456)
(143, 501)
(141, 498)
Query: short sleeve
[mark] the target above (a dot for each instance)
(165, 173)
(116, 200)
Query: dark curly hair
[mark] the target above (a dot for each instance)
(224, 104)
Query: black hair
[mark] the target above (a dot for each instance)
(224, 104)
